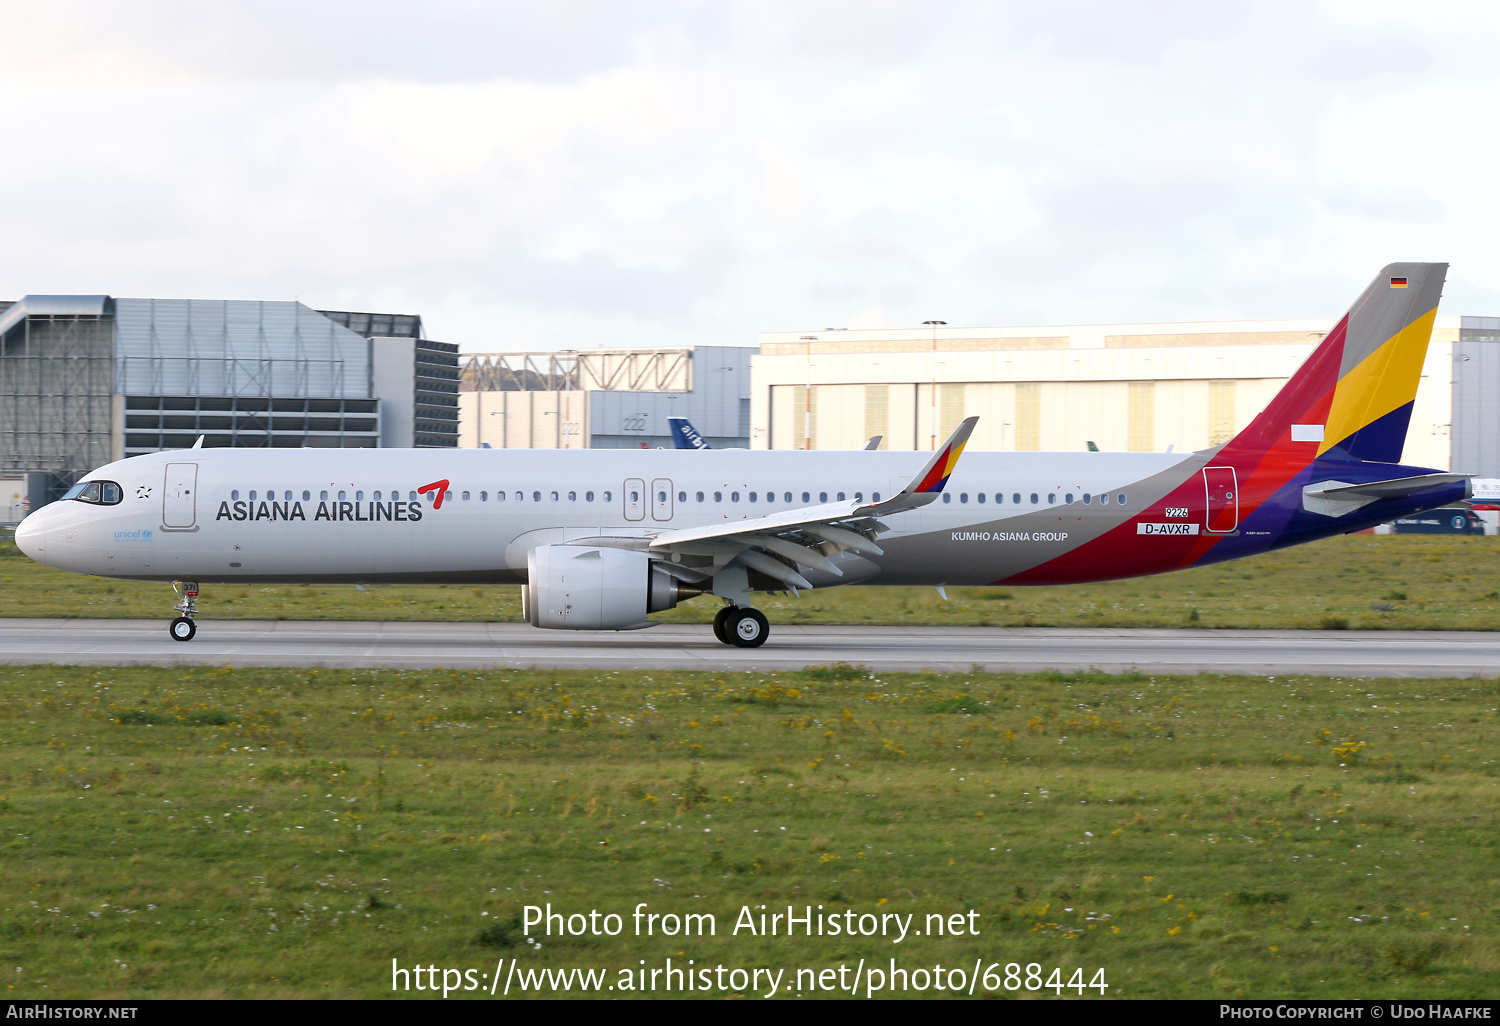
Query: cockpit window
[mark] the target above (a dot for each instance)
(99, 493)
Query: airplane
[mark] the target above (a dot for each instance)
(685, 436)
(602, 538)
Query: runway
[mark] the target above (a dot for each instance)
(691, 647)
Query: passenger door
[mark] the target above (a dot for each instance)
(1223, 512)
(179, 497)
(661, 499)
(634, 494)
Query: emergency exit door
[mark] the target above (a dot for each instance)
(661, 499)
(635, 498)
(1223, 508)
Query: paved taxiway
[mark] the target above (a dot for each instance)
(684, 647)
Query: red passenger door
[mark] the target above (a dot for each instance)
(1223, 509)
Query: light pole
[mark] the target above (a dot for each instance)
(933, 412)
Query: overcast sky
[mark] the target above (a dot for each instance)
(572, 174)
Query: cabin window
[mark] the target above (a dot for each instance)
(875, 497)
(607, 496)
(1121, 498)
(306, 495)
(979, 497)
(554, 496)
(572, 496)
(536, 496)
(1103, 499)
(588, 496)
(252, 495)
(360, 496)
(235, 494)
(718, 496)
(682, 496)
(734, 496)
(787, 497)
(1033, 498)
(661, 497)
(322, 496)
(700, 496)
(411, 496)
(342, 495)
(466, 496)
(947, 496)
(448, 496)
(1068, 498)
(806, 497)
(822, 496)
(635, 497)
(499, 496)
(483, 496)
(377, 496)
(841, 496)
(859, 496)
(1051, 498)
(753, 496)
(963, 496)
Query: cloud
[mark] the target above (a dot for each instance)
(617, 172)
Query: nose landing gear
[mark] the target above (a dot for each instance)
(741, 626)
(183, 628)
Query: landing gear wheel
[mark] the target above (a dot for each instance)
(182, 629)
(748, 628)
(721, 624)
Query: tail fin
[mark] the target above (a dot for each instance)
(1353, 396)
(685, 436)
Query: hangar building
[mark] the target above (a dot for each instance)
(605, 398)
(89, 379)
(1124, 387)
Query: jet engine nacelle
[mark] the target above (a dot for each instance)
(595, 588)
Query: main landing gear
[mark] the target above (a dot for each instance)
(741, 627)
(183, 628)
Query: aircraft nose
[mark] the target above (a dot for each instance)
(31, 536)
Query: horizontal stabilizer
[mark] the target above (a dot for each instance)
(1335, 498)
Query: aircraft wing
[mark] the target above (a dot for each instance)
(776, 543)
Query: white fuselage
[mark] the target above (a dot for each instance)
(356, 515)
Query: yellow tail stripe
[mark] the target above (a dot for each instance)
(1383, 381)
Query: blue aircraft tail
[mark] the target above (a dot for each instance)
(685, 436)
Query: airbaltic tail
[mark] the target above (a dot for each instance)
(685, 436)
(602, 538)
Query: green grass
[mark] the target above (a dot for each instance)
(286, 833)
(1358, 582)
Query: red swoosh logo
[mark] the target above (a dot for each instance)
(441, 487)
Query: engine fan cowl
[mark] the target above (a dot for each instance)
(596, 588)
